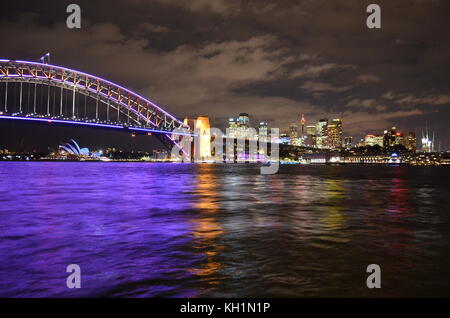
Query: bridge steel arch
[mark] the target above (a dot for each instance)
(140, 113)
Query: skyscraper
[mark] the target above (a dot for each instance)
(262, 131)
(239, 127)
(302, 123)
(411, 142)
(244, 120)
(334, 133)
(293, 134)
(399, 139)
(232, 128)
(321, 133)
(310, 140)
(348, 142)
(311, 130)
(389, 137)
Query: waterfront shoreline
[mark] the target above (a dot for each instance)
(235, 163)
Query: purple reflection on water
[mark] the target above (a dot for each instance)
(175, 230)
(123, 224)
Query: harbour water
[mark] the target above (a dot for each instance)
(185, 230)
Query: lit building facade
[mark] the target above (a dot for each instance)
(239, 128)
(411, 142)
(310, 140)
(311, 130)
(284, 139)
(294, 138)
(374, 140)
(201, 147)
(348, 142)
(322, 133)
(203, 129)
(302, 126)
(263, 131)
(334, 134)
(243, 120)
(399, 139)
(389, 137)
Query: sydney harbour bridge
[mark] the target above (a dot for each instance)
(49, 94)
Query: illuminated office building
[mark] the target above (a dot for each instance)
(293, 134)
(399, 139)
(348, 142)
(389, 137)
(374, 140)
(411, 142)
(240, 127)
(302, 125)
(243, 120)
(334, 134)
(311, 130)
(322, 134)
(285, 139)
(262, 131)
(232, 130)
(310, 140)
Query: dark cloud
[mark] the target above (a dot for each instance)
(272, 59)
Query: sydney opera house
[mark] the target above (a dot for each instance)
(72, 148)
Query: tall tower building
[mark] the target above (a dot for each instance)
(322, 133)
(411, 142)
(311, 130)
(293, 134)
(399, 139)
(262, 131)
(244, 120)
(232, 128)
(389, 137)
(334, 133)
(348, 142)
(310, 140)
(302, 123)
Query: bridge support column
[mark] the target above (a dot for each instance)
(34, 107)
(48, 101)
(20, 99)
(61, 104)
(6, 98)
(73, 103)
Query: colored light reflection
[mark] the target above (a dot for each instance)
(206, 227)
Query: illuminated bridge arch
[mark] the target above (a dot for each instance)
(43, 92)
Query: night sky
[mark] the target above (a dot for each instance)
(272, 59)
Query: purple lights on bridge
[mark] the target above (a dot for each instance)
(72, 122)
(129, 110)
(87, 75)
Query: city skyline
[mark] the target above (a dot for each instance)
(304, 135)
(303, 123)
